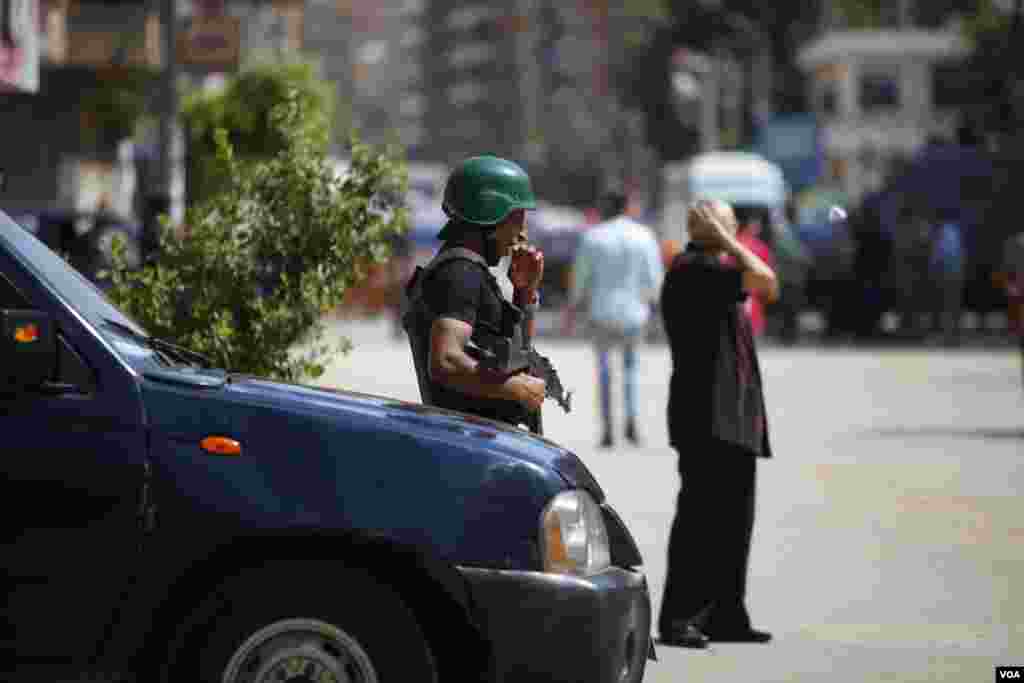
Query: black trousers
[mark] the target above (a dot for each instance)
(709, 546)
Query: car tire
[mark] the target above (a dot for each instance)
(304, 622)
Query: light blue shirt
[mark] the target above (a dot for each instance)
(617, 273)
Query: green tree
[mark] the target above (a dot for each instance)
(861, 14)
(243, 109)
(733, 25)
(113, 105)
(248, 280)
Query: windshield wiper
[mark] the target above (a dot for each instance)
(163, 348)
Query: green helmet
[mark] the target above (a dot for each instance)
(484, 190)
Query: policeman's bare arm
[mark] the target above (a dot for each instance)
(758, 277)
(452, 366)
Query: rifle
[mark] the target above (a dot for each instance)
(501, 355)
(541, 366)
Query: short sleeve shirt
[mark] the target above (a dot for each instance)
(463, 290)
(715, 390)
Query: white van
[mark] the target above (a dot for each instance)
(740, 178)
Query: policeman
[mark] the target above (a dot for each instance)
(456, 304)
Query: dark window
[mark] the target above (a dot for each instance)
(879, 90)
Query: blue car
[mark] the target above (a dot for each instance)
(170, 521)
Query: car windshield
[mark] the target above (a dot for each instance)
(81, 294)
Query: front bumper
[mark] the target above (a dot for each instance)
(547, 627)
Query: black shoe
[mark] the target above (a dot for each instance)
(631, 434)
(607, 441)
(743, 636)
(684, 635)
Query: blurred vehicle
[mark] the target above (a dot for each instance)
(831, 246)
(740, 178)
(556, 230)
(747, 181)
(85, 238)
(962, 184)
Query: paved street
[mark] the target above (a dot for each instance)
(889, 544)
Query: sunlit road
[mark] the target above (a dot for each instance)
(889, 543)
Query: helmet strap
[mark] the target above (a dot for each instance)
(491, 255)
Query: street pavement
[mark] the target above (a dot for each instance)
(889, 540)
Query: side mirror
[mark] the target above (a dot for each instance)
(28, 349)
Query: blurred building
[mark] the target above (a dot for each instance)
(537, 81)
(531, 80)
(875, 94)
(69, 123)
(586, 137)
(484, 81)
(374, 53)
(882, 84)
(80, 110)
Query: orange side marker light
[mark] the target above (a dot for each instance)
(26, 334)
(220, 445)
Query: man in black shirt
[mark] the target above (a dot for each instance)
(486, 199)
(717, 423)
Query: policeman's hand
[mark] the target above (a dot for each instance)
(528, 390)
(527, 266)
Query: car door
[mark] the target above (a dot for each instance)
(73, 471)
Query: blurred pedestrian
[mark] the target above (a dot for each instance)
(749, 235)
(910, 265)
(616, 276)
(947, 276)
(835, 266)
(871, 259)
(793, 264)
(717, 424)
(1010, 277)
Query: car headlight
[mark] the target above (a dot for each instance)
(574, 539)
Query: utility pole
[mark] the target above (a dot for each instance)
(160, 194)
(710, 101)
(754, 48)
(905, 19)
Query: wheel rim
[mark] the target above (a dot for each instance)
(300, 651)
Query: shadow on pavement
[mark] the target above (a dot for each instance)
(973, 433)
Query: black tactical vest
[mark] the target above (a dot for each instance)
(417, 319)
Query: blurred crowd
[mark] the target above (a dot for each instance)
(869, 282)
(863, 282)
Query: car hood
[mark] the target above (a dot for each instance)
(458, 431)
